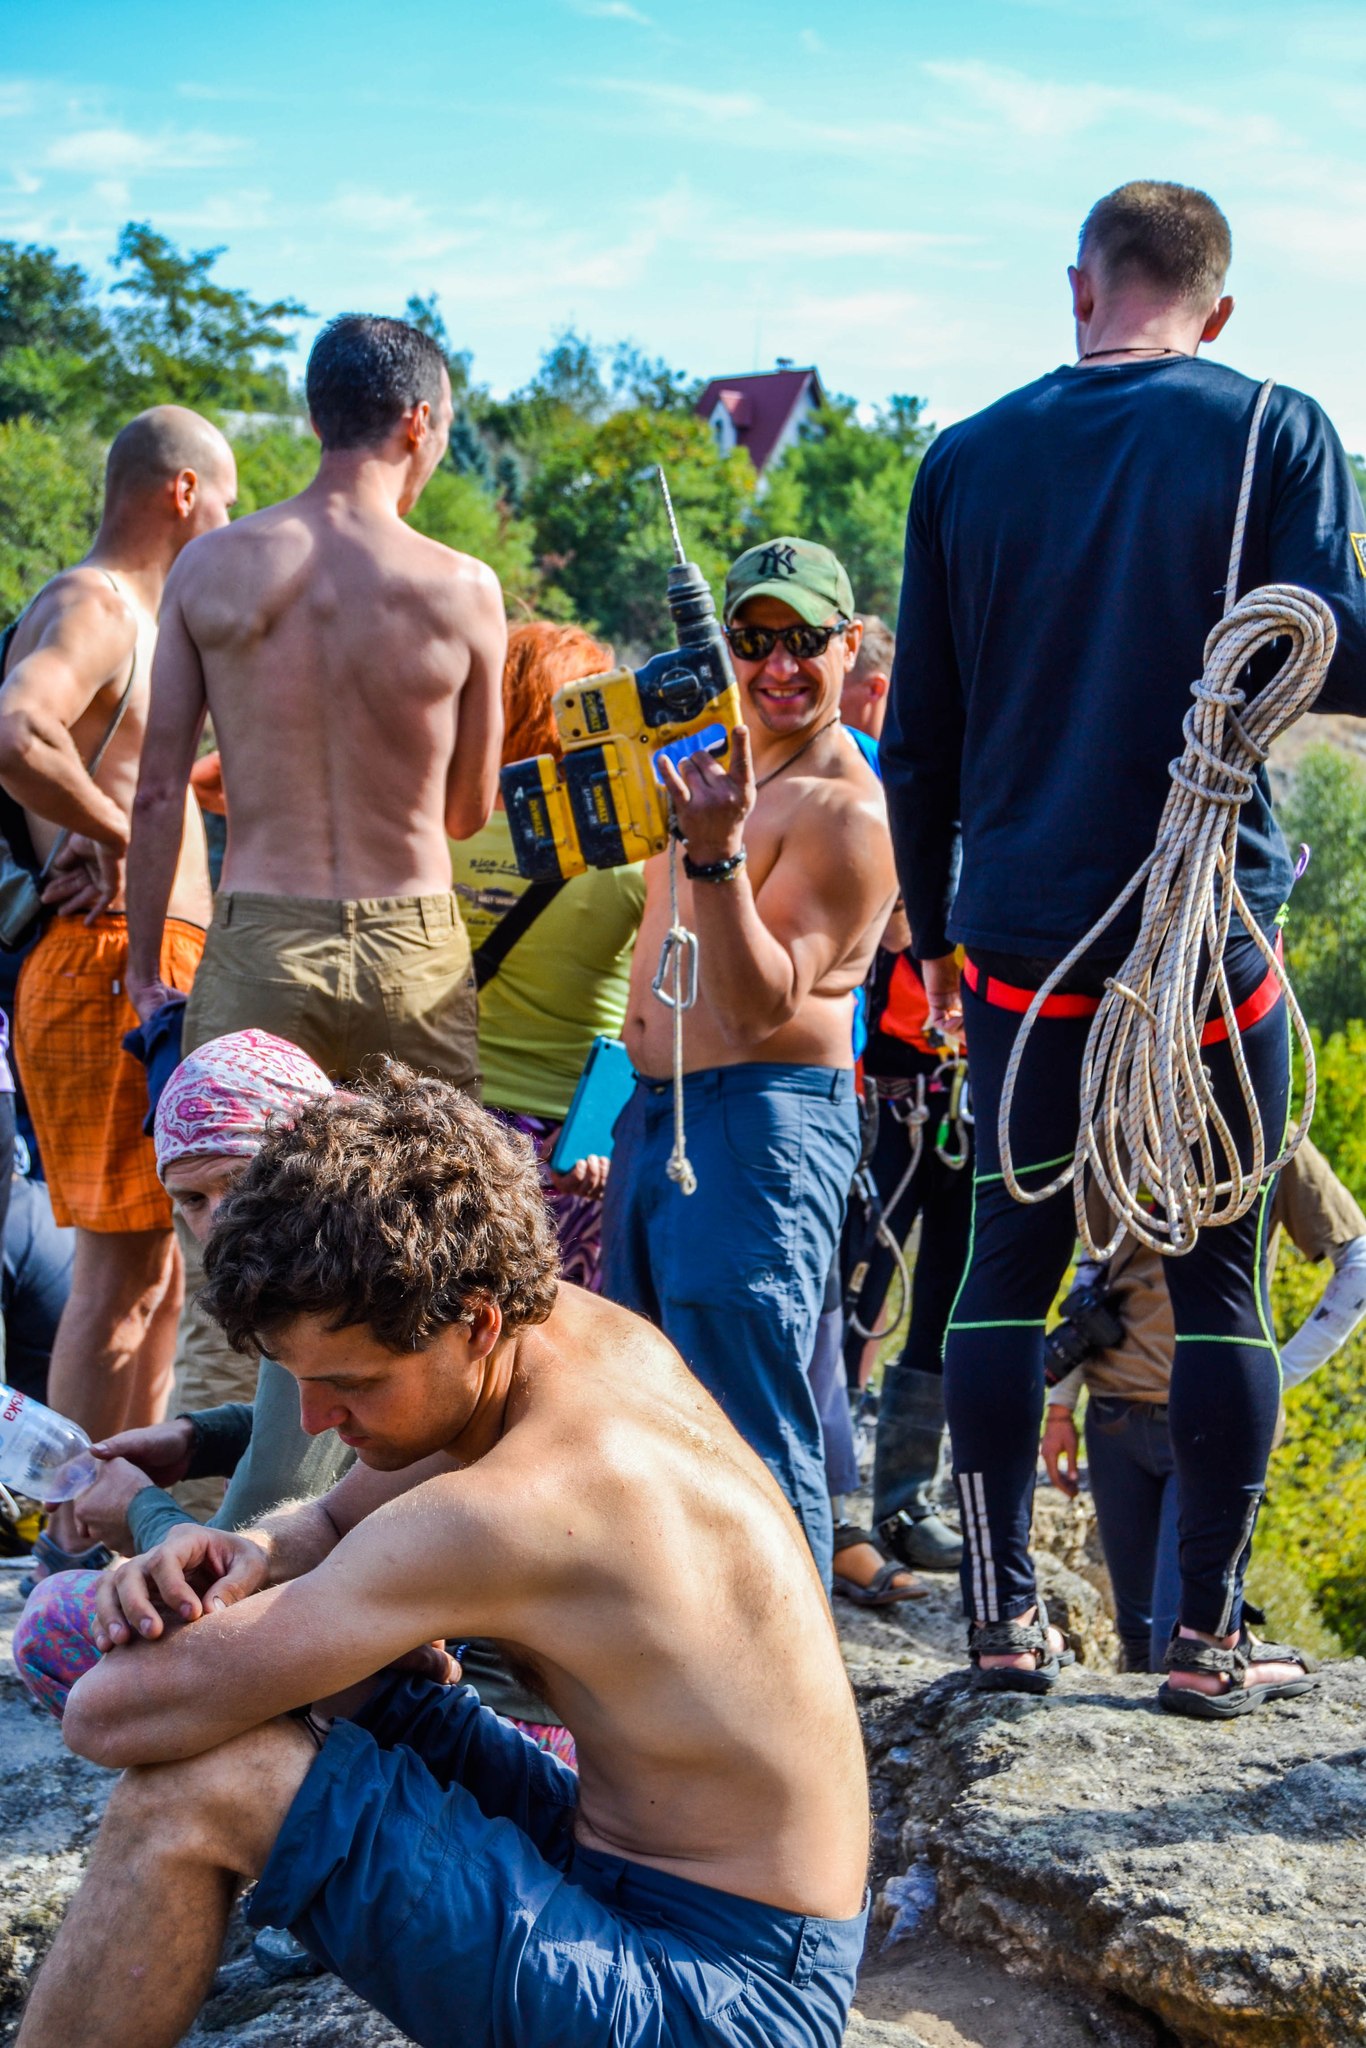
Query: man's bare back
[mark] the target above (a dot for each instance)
(823, 822)
(335, 644)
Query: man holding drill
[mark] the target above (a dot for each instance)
(1066, 556)
(788, 884)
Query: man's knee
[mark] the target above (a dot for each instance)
(223, 1808)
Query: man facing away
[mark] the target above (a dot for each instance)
(536, 1465)
(79, 659)
(1067, 552)
(352, 670)
(789, 880)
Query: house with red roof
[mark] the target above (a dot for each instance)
(761, 413)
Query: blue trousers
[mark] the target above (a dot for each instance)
(429, 1859)
(735, 1274)
(1133, 1483)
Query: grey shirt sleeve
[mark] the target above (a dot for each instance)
(281, 1462)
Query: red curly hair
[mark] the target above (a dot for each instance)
(542, 658)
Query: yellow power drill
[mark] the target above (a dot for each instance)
(603, 804)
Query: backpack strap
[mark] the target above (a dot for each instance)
(488, 958)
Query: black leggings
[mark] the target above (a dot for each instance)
(942, 1198)
(1225, 1387)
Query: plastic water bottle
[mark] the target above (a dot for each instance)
(41, 1453)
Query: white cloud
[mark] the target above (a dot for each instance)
(612, 10)
(119, 152)
(814, 45)
(112, 192)
(687, 99)
(1047, 109)
(16, 97)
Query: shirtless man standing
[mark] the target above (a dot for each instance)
(791, 882)
(352, 669)
(82, 649)
(536, 1465)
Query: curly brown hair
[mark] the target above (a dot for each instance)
(401, 1205)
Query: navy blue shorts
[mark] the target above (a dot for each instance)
(429, 1860)
(735, 1274)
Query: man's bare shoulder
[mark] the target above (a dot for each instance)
(462, 581)
(80, 609)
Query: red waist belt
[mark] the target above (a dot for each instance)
(1003, 995)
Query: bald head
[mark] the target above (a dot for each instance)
(153, 449)
(170, 476)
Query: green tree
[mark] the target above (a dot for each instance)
(1326, 935)
(1315, 1513)
(273, 462)
(184, 338)
(455, 509)
(54, 341)
(848, 485)
(599, 518)
(50, 488)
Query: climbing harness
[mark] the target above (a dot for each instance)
(907, 1102)
(677, 962)
(1149, 1120)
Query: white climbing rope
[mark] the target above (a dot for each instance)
(677, 956)
(1149, 1120)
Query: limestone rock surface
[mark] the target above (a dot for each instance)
(1212, 1875)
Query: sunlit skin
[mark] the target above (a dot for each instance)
(287, 630)
(782, 946)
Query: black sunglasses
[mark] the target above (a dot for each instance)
(803, 643)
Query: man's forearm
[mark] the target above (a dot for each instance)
(153, 856)
(296, 1537)
(748, 979)
(42, 770)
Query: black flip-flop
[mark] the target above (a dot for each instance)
(882, 1589)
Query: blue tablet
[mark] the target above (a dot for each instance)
(604, 1089)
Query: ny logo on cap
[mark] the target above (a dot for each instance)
(775, 561)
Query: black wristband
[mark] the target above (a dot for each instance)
(714, 870)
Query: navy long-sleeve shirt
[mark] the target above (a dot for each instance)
(1066, 555)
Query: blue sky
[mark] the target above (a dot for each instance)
(889, 190)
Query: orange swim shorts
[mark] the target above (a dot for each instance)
(86, 1095)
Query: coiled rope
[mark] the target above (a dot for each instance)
(1149, 1121)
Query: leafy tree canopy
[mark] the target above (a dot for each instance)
(1326, 934)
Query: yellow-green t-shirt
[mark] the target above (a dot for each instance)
(564, 981)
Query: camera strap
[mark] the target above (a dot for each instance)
(487, 958)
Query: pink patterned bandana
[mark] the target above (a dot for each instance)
(220, 1099)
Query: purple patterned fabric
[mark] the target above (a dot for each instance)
(578, 1221)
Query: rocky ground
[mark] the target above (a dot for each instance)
(1057, 1873)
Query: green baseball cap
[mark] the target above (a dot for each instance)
(808, 577)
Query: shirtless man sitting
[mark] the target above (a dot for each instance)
(535, 1465)
(82, 650)
(791, 882)
(352, 669)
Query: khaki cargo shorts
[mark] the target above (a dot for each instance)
(343, 981)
